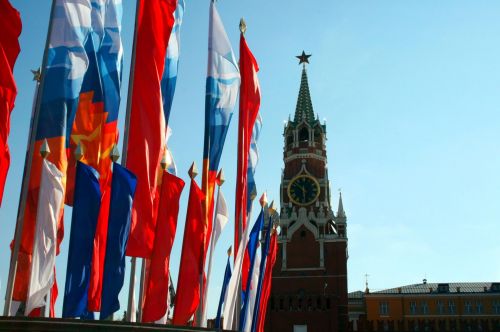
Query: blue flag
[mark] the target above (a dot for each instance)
(265, 252)
(227, 277)
(252, 245)
(87, 201)
(120, 210)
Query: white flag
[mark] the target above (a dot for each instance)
(252, 292)
(221, 218)
(232, 287)
(50, 202)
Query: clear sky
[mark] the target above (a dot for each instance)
(410, 92)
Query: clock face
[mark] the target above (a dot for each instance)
(303, 190)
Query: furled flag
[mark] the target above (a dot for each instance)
(266, 284)
(225, 282)
(157, 286)
(123, 186)
(253, 159)
(231, 297)
(54, 293)
(147, 127)
(221, 218)
(252, 293)
(169, 78)
(221, 93)
(94, 125)
(66, 65)
(45, 243)
(262, 269)
(10, 25)
(191, 265)
(249, 108)
(248, 267)
(87, 201)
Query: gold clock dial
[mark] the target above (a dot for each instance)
(303, 190)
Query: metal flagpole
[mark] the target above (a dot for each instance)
(133, 260)
(26, 174)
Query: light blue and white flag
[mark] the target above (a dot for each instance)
(253, 159)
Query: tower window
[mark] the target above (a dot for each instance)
(289, 139)
(303, 135)
(303, 234)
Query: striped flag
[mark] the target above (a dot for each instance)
(222, 87)
(66, 65)
(225, 283)
(253, 159)
(45, 243)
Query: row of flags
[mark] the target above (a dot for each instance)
(132, 209)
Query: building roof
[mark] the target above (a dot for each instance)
(453, 287)
(356, 295)
(304, 109)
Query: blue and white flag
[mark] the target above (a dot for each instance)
(253, 159)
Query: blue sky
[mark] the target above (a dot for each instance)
(410, 93)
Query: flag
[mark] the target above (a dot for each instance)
(252, 293)
(266, 284)
(147, 127)
(248, 267)
(265, 251)
(221, 218)
(94, 125)
(156, 294)
(11, 26)
(191, 265)
(44, 247)
(66, 65)
(249, 108)
(123, 186)
(253, 159)
(221, 93)
(230, 299)
(87, 202)
(225, 282)
(169, 78)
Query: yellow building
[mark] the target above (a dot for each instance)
(435, 307)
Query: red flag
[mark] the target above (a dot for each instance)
(191, 266)
(266, 283)
(155, 302)
(249, 108)
(99, 253)
(147, 122)
(10, 25)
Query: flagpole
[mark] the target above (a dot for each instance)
(27, 167)
(133, 260)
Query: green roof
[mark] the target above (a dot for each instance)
(304, 109)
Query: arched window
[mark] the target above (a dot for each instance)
(289, 139)
(303, 135)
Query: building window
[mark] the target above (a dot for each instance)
(440, 307)
(452, 308)
(496, 307)
(424, 307)
(303, 135)
(413, 308)
(479, 307)
(468, 307)
(383, 308)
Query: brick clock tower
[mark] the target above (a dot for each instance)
(309, 286)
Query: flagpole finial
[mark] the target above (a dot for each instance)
(193, 170)
(220, 177)
(243, 26)
(44, 149)
(303, 58)
(230, 250)
(79, 151)
(263, 200)
(115, 154)
(37, 74)
(272, 208)
(163, 162)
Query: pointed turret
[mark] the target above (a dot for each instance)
(304, 109)
(340, 210)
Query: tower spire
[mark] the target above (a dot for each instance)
(340, 210)
(304, 109)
